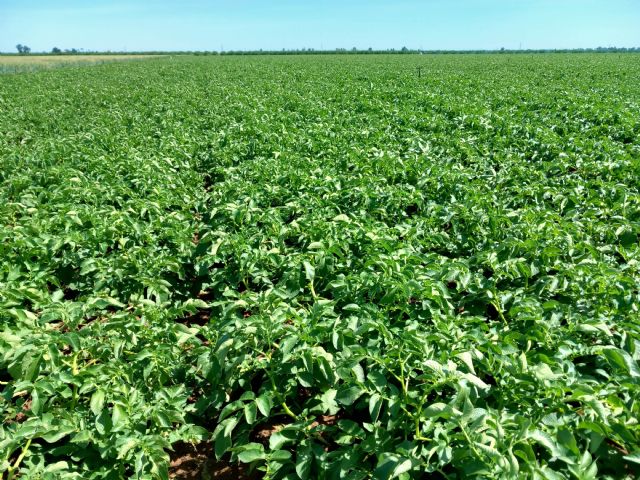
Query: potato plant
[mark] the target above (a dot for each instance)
(327, 267)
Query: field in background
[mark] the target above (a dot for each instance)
(21, 63)
(327, 267)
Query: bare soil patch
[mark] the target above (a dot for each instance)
(197, 462)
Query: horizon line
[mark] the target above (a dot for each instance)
(341, 50)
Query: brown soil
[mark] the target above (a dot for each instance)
(187, 460)
(227, 471)
(200, 318)
(197, 462)
(326, 420)
(263, 431)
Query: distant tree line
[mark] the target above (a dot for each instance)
(405, 50)
(67, 51)
(24, 49)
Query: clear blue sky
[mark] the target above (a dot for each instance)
(329, 24)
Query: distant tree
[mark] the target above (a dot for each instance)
(405, 49)
(56, 50)
(22, 49)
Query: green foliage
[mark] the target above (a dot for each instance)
(394, 276)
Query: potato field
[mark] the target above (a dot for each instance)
(321, 267)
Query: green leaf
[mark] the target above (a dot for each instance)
(543, 372)
(375, 406)
(475, 381)
(556, 450)
(222, 436)
(58, 434)
(118, 415)
(342, 218)
(36, 403)
(377, 379)
(304, 459)
(280, 456)
(31, 369)
(392, 466)
(328, 402)
(83, 436)
(282, 437)
(221, 445)
(250, 412)
(347, 396)
(251, 453)
(467, 359)
(60, 466)
(126, 446)
(622, 360)
(162, 419)
(264, 404)
(97, 401)
(104, 423)
(633, 457)
(309, 271)
(438, 409)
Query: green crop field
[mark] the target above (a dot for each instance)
(322, 267)
(27, 63)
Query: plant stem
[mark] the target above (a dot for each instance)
(11, 471)
(283, 403)
(471, 445)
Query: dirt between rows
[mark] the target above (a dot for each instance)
(197, 462)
